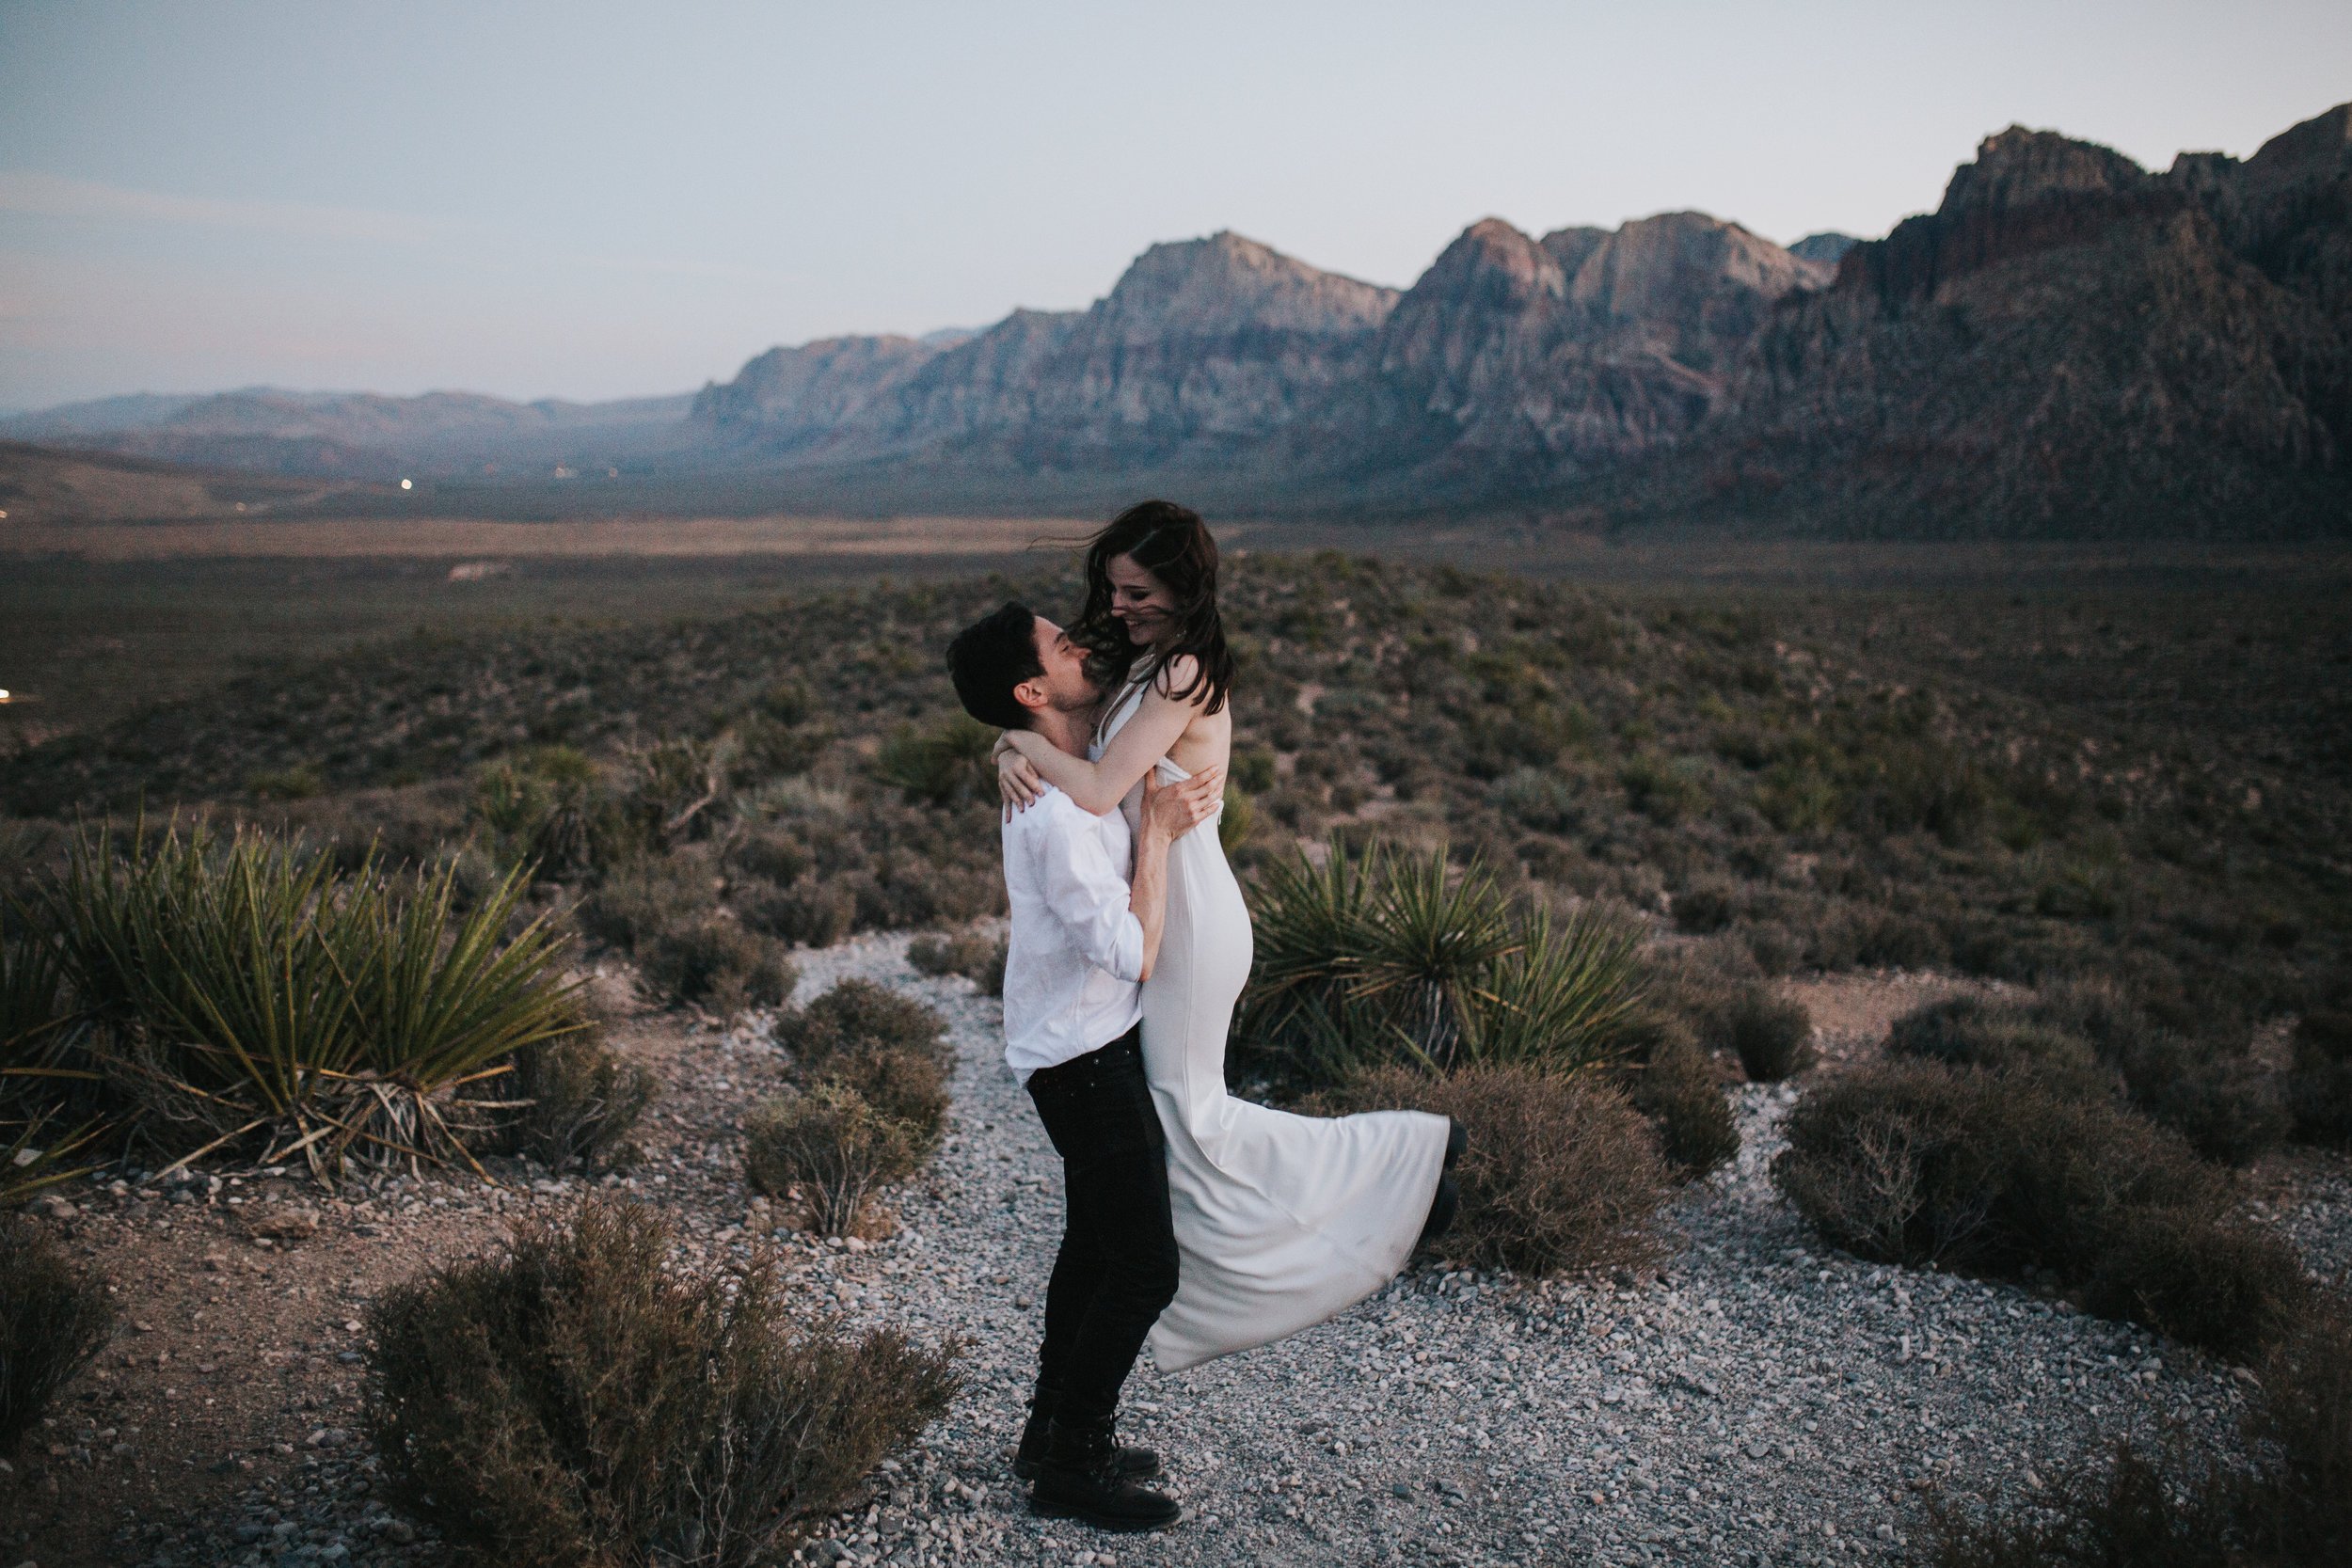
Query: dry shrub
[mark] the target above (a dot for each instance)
(907, 1085)
(2136, 1512)
(644, 897)
(2291, 1509)
(1563, 1174)
(52, 1320)
(2304, 1511)
(857, 1013)
(1677, 1088)
(831, 1149)
(1773, 1035)
(810, 910)
(1970, 1031)
(573, 1403)
(716, 962)
(2319, 1085)
(1916, 1163)
(581, 1101)
(663, 911)
(2225, 1286)
(2089, 1039)
(969, 953)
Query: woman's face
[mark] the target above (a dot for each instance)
(1140, 601)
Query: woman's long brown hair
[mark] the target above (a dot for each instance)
(1172, 544)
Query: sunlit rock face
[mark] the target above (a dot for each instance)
(1552, 357)
(1212, 341)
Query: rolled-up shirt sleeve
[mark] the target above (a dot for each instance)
(1089, 896)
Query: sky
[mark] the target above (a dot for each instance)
(593, 200)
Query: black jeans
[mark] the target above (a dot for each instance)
(1118, 1263)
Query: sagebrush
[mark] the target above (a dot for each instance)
(579, 1402)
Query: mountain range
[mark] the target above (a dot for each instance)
(2069, 345)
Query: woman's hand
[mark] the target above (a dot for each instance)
(1017, 782)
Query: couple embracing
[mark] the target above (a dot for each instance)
(1198, 1222)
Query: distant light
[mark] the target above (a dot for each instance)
(407, 485)
(4, 693)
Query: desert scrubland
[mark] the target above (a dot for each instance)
(1900, 1007)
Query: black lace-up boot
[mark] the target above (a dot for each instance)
(1133, 1463)
(1077, 1478)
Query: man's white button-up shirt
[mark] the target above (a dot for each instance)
(1074, 970)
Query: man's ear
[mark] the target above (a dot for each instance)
(1031, 695)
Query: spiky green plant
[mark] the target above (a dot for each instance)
(1375, 954)
(40, 1030)
(243, 992)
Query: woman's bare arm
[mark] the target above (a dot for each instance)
(1099, 786)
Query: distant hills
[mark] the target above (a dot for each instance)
(2069, 346)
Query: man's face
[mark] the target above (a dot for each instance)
(1064, 685)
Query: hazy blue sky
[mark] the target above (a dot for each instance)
(593, 200)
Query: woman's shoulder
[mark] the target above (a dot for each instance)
(1174, 674)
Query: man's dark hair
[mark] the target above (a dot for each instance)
(989, 658)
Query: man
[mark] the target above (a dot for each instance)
(1086, 931)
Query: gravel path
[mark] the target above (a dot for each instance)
(1758, 1403)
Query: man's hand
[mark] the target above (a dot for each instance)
(1171, 810)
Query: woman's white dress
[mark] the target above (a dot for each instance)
(1281, 1220)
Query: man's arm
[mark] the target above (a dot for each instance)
(1168, 814)
(1113, 920)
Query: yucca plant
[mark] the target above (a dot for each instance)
(47, 1085)
(243, 992)
(1374, 956)
(540, 810)
(40, 1029)
(33, 1157)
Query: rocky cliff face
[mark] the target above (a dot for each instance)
(1202, 343)
(2069, 342)
(1553, 357)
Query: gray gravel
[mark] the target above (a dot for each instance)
(1760, 1400)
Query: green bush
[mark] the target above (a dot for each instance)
(52, 1320)
(858, 1014)
(1380, 954)
(578, 1102)
(1561, 1175)
(577, 1402)
(1916, 1163)
(831, 1149)
(242, 992)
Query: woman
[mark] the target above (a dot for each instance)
(1281, 1220)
